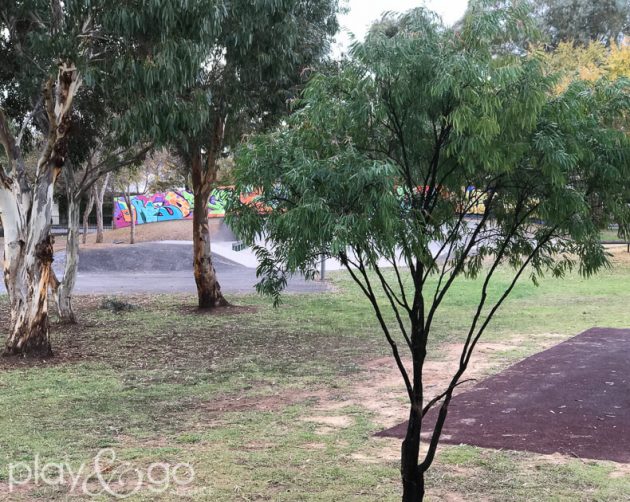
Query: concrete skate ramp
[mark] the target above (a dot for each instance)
(159, 256)
(144, 257)
(219, 231)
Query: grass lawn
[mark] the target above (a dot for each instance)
(281, 404)
(609, 235)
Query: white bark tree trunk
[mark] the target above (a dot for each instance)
(14, 207)
(64, 289)
(132, 216)
(29, 275)
(26, 217)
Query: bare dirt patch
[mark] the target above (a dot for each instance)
(619, 252)
(381, 391)
(272, 402)
(177, 230)
(620, 471)
(335, 421)
(226, 310)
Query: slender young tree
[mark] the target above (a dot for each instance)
(98, 166)
(384, 159)
(100, 189)
(87, 211)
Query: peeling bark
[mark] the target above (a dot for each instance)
(64, 289)
(29, 333)
(26, 216)
(208, 287)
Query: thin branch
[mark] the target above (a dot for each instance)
(369, 293)
(27, 120)
(459, 265)
(107, 166)
(7, 140)
(436, 399)
(437, 431)
(392, 300)
(498, 258)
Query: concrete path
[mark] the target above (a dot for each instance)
(239, 280)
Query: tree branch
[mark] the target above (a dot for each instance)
(437, 431)
(369, 293)
(27, 121)
(108, 165)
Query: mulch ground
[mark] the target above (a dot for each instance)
(573, 399)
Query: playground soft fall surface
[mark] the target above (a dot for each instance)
(265, 404)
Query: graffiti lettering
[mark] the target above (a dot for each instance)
(173, 205)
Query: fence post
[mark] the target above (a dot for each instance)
(322, 268)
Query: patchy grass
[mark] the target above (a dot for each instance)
(240, 395)
(610, 235)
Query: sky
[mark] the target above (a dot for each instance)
(363, 12)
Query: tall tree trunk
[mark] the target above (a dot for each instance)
(14, 207)
(412, 477)
(86, 213)
(26, 216)
(64, 288)
(132, 216)
(29, 277)
(208, 287)
(100, 197)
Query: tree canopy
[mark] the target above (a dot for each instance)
(192, 61)
(583, 21)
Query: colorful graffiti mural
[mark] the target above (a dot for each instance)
(173, 205)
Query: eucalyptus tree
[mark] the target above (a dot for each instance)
(193, 74)
(383, 159)
(584, 21)
(84, 180)
(235, 73)
(44, 50)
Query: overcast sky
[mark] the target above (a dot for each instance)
(363, 12)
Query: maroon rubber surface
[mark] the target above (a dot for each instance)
(573, 398)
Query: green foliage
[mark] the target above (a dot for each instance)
(384, 159)
(583, 21)
(378, 156)
(35, 37)
(186, 64)
(163, 70)
(116, 305)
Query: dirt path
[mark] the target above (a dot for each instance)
(380, 390)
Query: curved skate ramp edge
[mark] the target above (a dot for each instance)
(145, 257)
